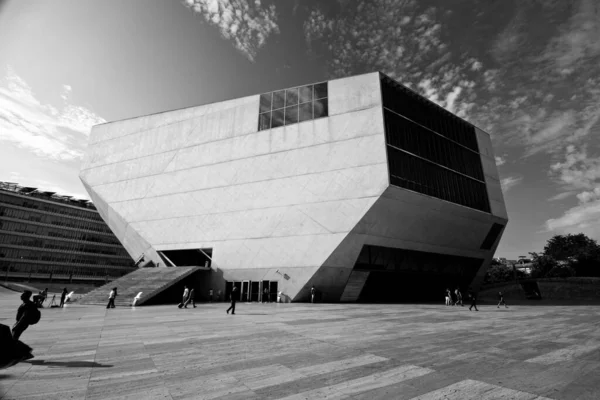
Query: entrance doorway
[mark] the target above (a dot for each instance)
(245, 291)
(253, 291)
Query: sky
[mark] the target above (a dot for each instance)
(525, 71)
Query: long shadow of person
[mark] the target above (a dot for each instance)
(69, 364)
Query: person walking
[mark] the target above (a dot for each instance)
(448, 297)
(473, 298)
(111, 298)
(210, 295)
(313, 292)
(459, 299)
(190, 299)
(186, 293)
(233, 298)
(501, 300)
(63, 296)
(27, 314)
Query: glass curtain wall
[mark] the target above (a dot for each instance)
(430, 150)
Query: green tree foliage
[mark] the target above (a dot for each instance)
(501, 273)
(567, 255)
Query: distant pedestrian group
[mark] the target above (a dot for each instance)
(457, 300)
(188, 297)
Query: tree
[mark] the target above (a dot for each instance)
(501, 273)
(568, 255)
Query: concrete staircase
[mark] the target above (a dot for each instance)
(354, 286)
(149, 281)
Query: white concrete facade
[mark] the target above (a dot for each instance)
(298, 200)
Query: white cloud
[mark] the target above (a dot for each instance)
(59, 134)
(592, 195)
(578, 39)
(561, 196)
(510, 182)
(500, 160)
(584, 217)
(245, 22)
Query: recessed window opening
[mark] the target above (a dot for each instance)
(290, 106)
(187, 257)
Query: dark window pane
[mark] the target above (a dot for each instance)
(278, 99)
(321, 90)
(277, 118)
(291, 115)
(291, 97)
(264, 121)
(265, 102)
(320, 108)
(306, 112)
(306, 94)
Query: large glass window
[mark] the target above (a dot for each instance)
(425, 113)
(431, 151)
(290, 106)
(419, 175)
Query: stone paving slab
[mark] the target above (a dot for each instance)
(308, 351)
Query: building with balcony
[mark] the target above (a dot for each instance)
(358, 186)
(49, 237)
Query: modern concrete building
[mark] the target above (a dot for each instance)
(49, 237)
(357, 186)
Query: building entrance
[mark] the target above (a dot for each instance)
(253, 291)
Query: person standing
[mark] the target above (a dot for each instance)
(210, 295)
(265, 298)
(501, 300)
(111, 298)
(459, 299)
(190, 299)
(448, 297)
(27, 314)
(473, 297)
(313, 291)
(233, 298)
(63, 296)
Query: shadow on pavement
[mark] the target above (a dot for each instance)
(69, 364)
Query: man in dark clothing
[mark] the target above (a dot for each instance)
(63, 297)
(313, 292)
(473, 297)
(501, 300)
(25, 315)
(233, 298)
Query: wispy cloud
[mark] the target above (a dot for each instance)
(56, 133)
(578, 38)
(578, 173)
(561, 196)
(510, 182)
(500, 160)
(245, 22)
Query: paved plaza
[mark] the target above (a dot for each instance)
(304, 351)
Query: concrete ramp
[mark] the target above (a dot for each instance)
(355, 285)
(149, 281)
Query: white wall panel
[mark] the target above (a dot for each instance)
(354, 93)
